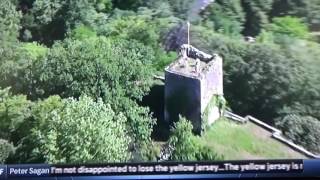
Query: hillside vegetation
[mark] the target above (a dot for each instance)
(85, 66)
(246, 141)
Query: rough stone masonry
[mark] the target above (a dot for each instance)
(190, 84)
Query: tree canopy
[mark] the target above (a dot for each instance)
(86, 65)
(76, 131)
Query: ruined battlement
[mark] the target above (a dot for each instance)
(190, 84)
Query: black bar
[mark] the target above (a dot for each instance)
(155, 168)
(217, 167)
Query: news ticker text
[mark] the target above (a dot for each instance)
(217, 167)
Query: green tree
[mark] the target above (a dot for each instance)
(257, 15)
(266, 80)
(40, 114)
(98, 67)
(33, 50)
(127, 4)
(118, 71)
(70, 131)
(48, 21)
(44, 21)
(17, 68)
(139, 119)
(82, 32)
(5, 150)
(160, 9)
(226, 16)
(9, 22)
(133, 27)
(181, 8)
(14, 110)
(303, 130)
(163, 59)
(90, 13)
(308, 11)
(186, 146)
(289, 26)
(307, 97)
(148, 152)
(9, 31)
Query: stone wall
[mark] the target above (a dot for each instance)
(183, 97)
(188, 95)
(211, 81)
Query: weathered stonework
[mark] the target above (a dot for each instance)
(188, 92)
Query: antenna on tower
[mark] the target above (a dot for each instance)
(188, 24)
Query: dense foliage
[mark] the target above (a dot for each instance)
(9, 22)
(282, 27)
(188, 147)
(5, 150)
(304, 130)
(14, 109)
(307, 10)
(226, 17)
(257, 14)
(64, 62)
(75, 131)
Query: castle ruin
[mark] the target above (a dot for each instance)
(191, 84)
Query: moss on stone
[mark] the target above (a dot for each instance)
(215, 101)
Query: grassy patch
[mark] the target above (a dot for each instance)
(244, 141)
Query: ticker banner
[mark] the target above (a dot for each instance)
(159, 170)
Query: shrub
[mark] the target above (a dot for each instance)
(303, 130)
(82, 32)
(14, 110)
(97, 67)
(70, 131)
(149, 151)
(226, 16)
(188, 147)
(9, 22)
(163, 59)
(290, 26)
(6, 149)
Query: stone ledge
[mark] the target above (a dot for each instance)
(276, 133)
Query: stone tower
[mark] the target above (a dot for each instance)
(191, 83)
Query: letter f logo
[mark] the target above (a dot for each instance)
(1, 171)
